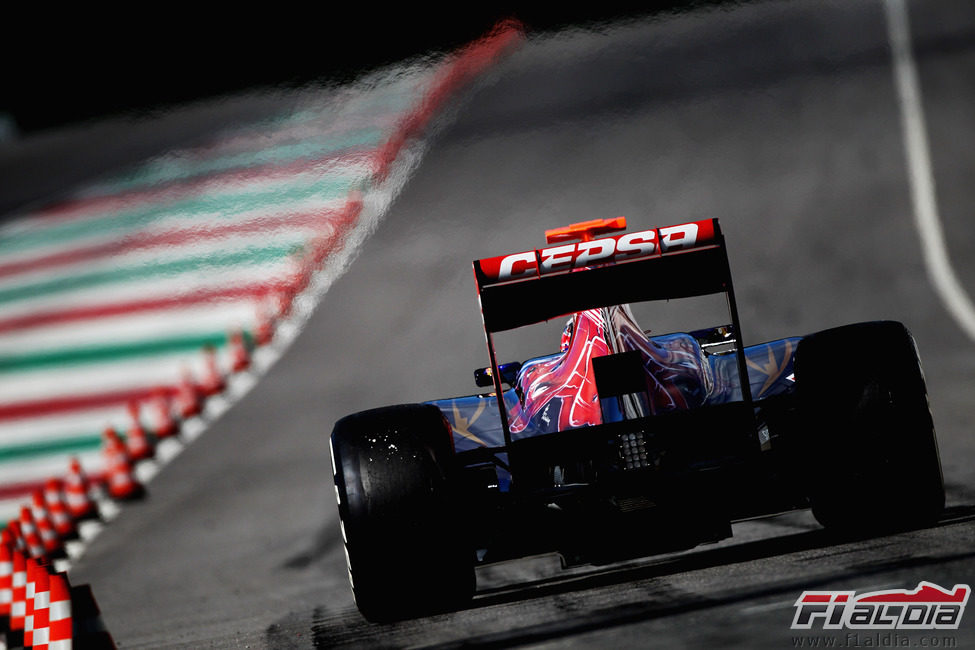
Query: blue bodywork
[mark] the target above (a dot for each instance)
(476, 422)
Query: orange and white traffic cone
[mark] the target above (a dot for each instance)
(139, 445)
(45, 526)
(6, 577)
(60, 516)
(189, 401)
(122, 484)
(60, 625)
(163, 423)
(213, 381)
(240, 358)
(28, 529)
(77, 494)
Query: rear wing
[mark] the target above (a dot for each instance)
(679, 261)
(674, 262)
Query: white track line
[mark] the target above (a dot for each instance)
(922, 188)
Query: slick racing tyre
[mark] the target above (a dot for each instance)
(869, 447)
(392, 478)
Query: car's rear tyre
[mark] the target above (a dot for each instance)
(869, 448)
(406, 554)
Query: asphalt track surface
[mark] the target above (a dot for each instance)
(780, 119)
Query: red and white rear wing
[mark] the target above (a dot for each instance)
(660, 263)
(586, 254)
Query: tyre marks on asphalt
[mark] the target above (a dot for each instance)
(327, 540)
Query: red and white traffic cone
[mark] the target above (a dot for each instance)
(264, 331)
(213, 381)
(16, 537)
(240, 358)
(36, 594)
(42, 600)
(60, 516)
(299, 275)
(29, 602)
(77, 494)
(28, 529)
(282, 300)
(162, 422)
(18, 605)
(139, 445)
(45, 526)
(189, 401)
(122, 484)
(60, 623)
(6, 577)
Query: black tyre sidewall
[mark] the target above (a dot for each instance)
(406, 555)
(870, 452)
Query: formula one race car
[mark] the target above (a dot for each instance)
(623, 444)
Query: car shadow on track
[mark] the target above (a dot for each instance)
(701, 559)
(618, 615)
(347, 629)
